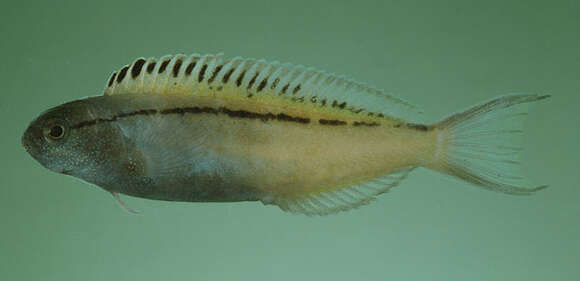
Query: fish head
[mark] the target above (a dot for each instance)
(55, 140)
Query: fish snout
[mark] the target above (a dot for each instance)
(29, 142)
(24, 140)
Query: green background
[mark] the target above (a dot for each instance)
(441, 55)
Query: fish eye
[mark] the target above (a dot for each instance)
(55, 132)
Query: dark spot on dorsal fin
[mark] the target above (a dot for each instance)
(137, 66)
(163, 66)
(240, 78)
(189, 68)
(296, 89)
(275, 83)
(176, 67)
(150, 67)
(215, 73)
(253, 80)
(262, 84)
(202, 72)
(122, 74)
(112, 79)
(227, 75)
(285, 88)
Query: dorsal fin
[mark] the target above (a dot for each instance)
(180, 74)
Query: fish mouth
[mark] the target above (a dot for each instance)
(25, 143)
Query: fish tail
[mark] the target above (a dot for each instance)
(482, 144)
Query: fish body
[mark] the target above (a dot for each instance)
(204, 129)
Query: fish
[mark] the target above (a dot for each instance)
(205, 128)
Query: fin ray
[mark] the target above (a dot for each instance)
(123, 205)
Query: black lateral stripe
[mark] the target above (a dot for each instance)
(139, 112)
(284, 117)
(331, 122)
(197, 110)
(193, 110)
(114, 118)
(363, 123)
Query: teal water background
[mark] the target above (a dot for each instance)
(441, 55)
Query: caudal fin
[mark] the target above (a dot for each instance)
(482, 145)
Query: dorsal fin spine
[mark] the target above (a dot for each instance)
(141, 76)
(275, 76)
(327, 85)
(147, 84)
(295, 80)
(285, 78)
(309, 85)
(120, 85)
(213, 63)
(191, 79)
(196, 72)
(182, 79)
(174, 75)
(155, 75)
(166, 64)
(229, 66)
(264, 74)
(249, 75)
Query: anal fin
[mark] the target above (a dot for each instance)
(344, 199)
